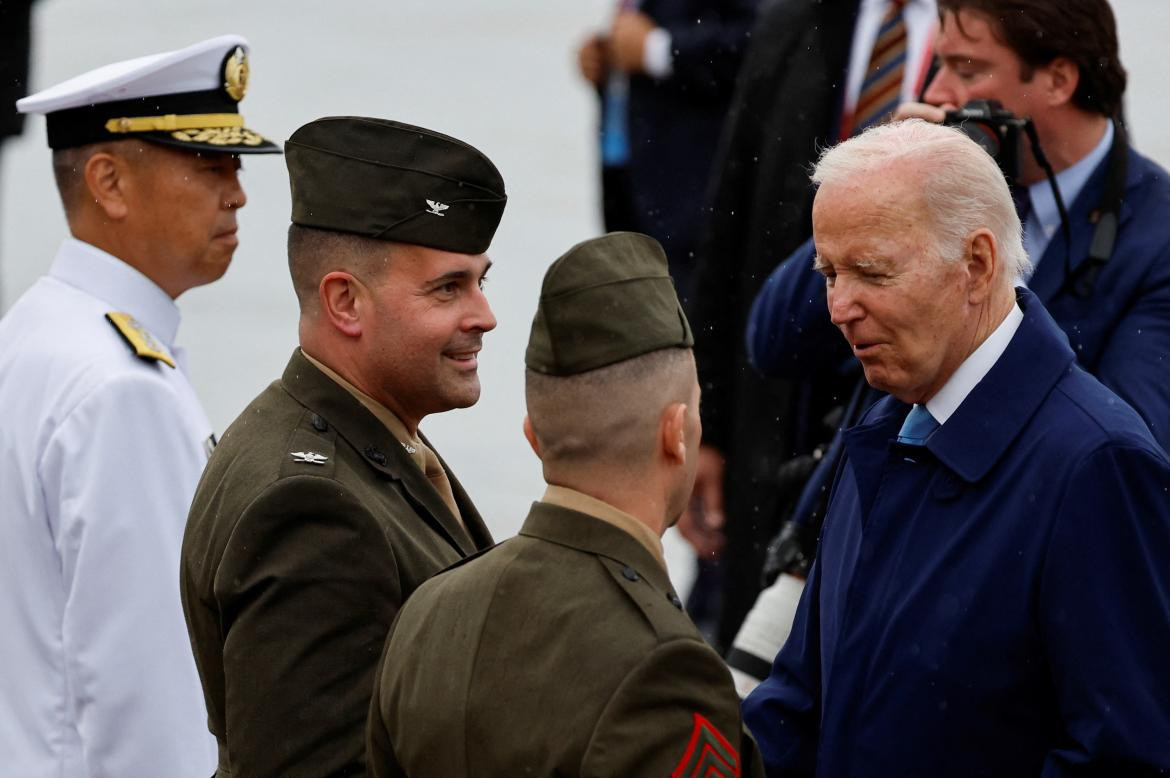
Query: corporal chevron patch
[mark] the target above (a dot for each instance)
(708, 754)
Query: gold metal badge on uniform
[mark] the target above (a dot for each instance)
(235, 74)
(142, 342)
(708, 754)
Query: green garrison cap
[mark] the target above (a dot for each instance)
(392, 181)
(606, 300)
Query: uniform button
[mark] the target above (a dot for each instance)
(375, 456)
(630, 573)
(674, 600)
(318, 423)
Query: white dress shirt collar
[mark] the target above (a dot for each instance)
(122, 287)
(971, 371)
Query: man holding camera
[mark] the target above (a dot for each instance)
(989, 591)
(1102, 268)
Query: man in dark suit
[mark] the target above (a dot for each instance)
(1058, 64)
(989, 592)
(324, 506)
(666, 72)
(802, 81)
(565, 651)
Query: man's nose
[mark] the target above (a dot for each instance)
(235, 196)
(481, 317)
(944, 90)
(843, 305)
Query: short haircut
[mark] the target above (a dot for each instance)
(961, 186)
(313, 252)
(69, 166)
(1039, 31)
(609, 415)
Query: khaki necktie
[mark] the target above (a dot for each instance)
(433, 469)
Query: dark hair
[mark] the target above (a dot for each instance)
(1039, 31)
(313, 252)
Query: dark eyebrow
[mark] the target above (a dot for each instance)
(457, 275)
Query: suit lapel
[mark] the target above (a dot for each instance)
(379, 449)
(1061, 255)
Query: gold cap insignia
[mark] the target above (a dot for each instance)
(235, 74)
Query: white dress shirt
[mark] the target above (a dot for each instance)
(921, 17)
(968, 375)
(100, 452)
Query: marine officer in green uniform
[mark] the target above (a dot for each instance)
(565, 651)
(324, 507)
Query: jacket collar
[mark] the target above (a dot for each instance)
(122, 287)
(384, 453)
(583, 532)
(986, 423)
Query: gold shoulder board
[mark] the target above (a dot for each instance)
(143, 343)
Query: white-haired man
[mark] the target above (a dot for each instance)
(987, 597)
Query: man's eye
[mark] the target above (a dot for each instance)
(483, 282)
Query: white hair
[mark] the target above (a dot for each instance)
(961, 185)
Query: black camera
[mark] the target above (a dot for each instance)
(997, 130)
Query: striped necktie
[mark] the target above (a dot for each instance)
(881, 91)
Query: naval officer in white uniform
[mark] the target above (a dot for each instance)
(103, 439)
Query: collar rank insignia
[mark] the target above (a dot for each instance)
(708, 754)
(145, 345)
(309, 457)
(409, 448)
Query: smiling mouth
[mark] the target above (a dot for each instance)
(463, 357)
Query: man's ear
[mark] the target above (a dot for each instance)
(343, 300)
(1061, 81)
(672, 429)
(982, 260)
(107, 183)
(530, 436)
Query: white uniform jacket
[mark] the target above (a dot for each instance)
(100, 452)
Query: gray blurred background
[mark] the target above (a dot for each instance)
(500, 74)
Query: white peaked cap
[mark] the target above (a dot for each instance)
(196, 68)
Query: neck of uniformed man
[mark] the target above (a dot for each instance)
(324, 506)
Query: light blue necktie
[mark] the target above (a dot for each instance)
(918, 427)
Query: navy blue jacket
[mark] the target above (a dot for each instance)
(674, 122)
(996, 603)
(1120, 333)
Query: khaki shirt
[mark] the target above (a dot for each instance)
(565, 497)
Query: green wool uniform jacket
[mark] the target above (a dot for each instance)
(561, 652)
(309, 529)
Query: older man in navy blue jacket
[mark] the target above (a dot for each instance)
(991, 594)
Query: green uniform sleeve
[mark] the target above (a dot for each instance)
(307, 591)
(675, 714)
